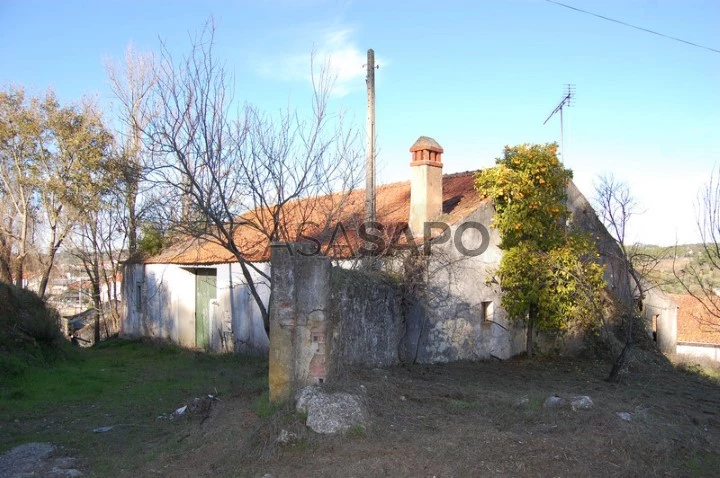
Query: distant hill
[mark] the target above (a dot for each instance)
(658, 262)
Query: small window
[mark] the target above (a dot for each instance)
(486, 311)
(138, 297)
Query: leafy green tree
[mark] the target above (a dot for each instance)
(151, 240)
(18, 129)
(55, 164)
(547, 269)
(74, 169)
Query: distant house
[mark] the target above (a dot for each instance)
(660, 313)
(698, 331)
(194, 294)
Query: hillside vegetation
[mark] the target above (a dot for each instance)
(29, 331)
(659, 263)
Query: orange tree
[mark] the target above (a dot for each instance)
(548, 272)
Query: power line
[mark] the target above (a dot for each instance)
(634, 26)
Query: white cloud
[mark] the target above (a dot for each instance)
(334, 49)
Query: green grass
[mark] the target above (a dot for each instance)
(118, 375)
(701, 367)
(127, 384)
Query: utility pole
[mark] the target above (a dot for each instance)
(370, 132)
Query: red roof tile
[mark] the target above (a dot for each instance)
(694, 323)
(311, 217)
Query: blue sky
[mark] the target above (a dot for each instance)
(473, 75)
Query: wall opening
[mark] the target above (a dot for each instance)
(654, 326)
(486, 311)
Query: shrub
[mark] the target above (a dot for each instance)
(11, 365)
(29, 330)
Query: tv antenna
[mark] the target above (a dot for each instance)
(565, 101)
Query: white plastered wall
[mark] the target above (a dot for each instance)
(167, 306)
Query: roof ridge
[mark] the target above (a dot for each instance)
(449, 175)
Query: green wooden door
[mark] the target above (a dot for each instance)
(205, 291)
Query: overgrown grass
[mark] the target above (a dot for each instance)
(264, 408)
(120, 383)
(700, 366)
(120, 374)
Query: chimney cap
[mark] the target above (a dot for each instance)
(426, 143)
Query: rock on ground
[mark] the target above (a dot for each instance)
(36, 459)
(331, 412)
(553, 401)
(580, 402)
(286, 437)
(625, 416)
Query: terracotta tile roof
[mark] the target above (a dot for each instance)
(694, 322)
(318, 218)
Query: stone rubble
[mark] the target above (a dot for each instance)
(330, 413)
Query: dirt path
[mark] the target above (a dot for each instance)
(37, 459)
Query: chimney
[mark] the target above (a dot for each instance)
(425, 184)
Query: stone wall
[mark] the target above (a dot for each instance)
(366, 326)
(454, 310)
(323, 319)
(456, 314)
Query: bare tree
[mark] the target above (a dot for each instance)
(699, 277)
(132, 82)
(632, 267)
(617, 206)
(240, 173)
(99, 241)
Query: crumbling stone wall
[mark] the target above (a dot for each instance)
(366, 323)
(323, 319)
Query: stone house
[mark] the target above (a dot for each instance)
(660, 313)
(193, 293)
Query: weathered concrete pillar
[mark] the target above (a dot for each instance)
(299, 304)
(282, 322)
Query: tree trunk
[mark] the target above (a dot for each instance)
(131, 200)
(18, 272)
(5, 260)
(18, 267)
(56, 241)
(618, 364)
(97, 306)
(46, 276)
(253, 291)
